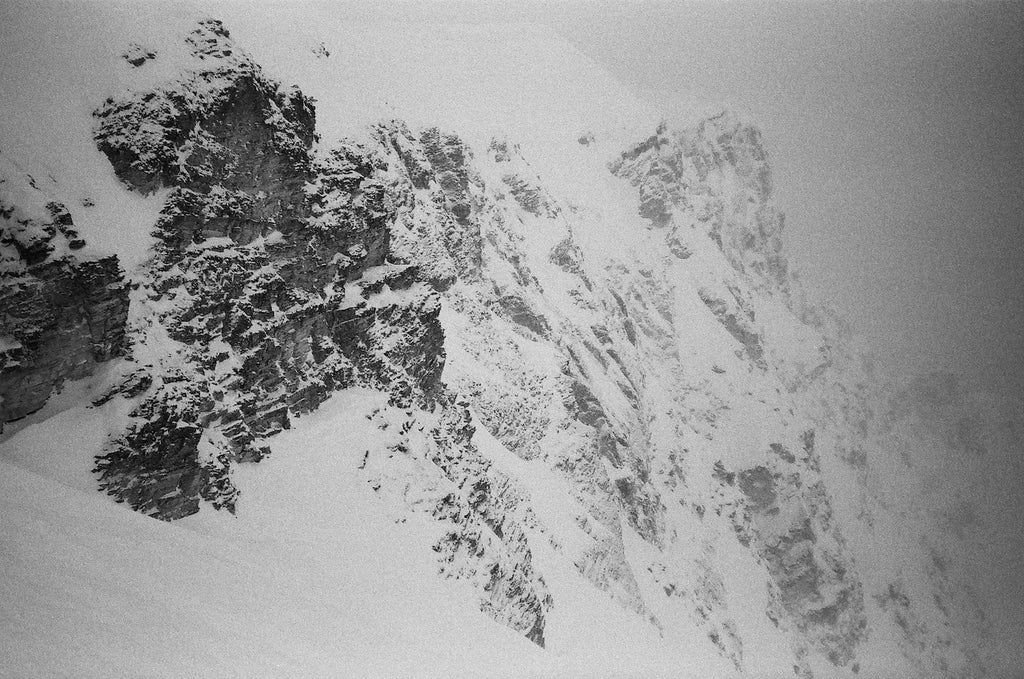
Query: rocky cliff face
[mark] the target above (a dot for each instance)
(63, 313)
(716, 175)
(711, 438)
(277, 282)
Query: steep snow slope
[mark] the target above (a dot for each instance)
(319, 576)
(574, 386)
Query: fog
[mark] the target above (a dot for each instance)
(897, 139)
(896, 133)
(896, 136)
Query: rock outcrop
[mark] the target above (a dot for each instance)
(789, 522)
(278, 281)
(715, 175)
(258, 243)
(62, 313)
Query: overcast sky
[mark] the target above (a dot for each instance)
(896, 133)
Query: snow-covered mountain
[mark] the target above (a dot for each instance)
(438, 354)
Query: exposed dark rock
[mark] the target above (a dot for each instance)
(816, 586)
(676, 245)
(677, 174)
(488, 537)
(157, 467)
(719, 472)
(62, 319)
(61, 315)
(525, 190)
(447, 156)
(435, 197)
(396, 135)
(279, 277)
(131, 386)
(736, 321)
(320, 51)
(517, 310)
(759, 487)
(530, 196)
(152, 140)
(137, 55)
(588, 408)
(499, 149)
(568, 257)
(256, 244)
